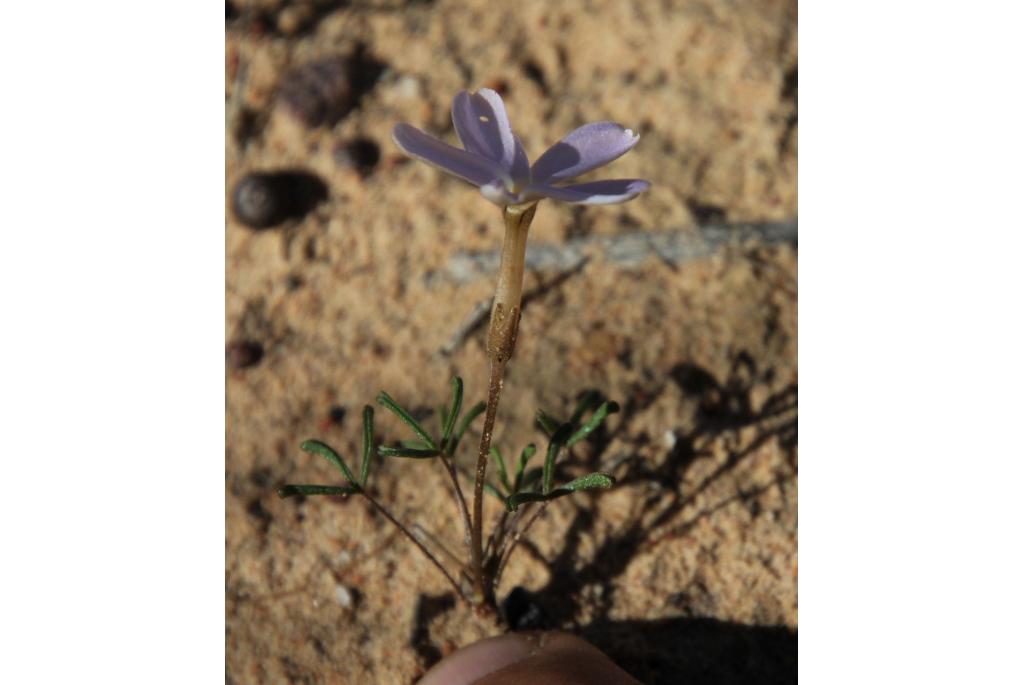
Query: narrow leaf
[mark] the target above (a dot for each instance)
(323, 450)
(513, 501)
(586, 429)
(453, 415)
(386, 400)
(407, 452)
(589, 482)
(414, 444)
(524, 458)
(554, 447)
(292, 490)
(500, 462)
(474, 412)
(364, 467)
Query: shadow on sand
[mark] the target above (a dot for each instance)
(688, 649)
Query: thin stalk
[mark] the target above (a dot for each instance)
(460, 499)
(496, 538)
(442, 550)
(415, 541)
(501, 342)
(515, 538)
(507, 529)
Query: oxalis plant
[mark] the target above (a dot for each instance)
(493, 159)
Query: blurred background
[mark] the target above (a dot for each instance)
(351, 269)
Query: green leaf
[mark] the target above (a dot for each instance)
(453, 415)
(588, 482)
(364, 467)
(500, 462)
(386, 400)
(409, 452)
(323, 450)
(546, 423)
(586, 429)
(292, 490)
(524, 458)
(554, 447)
(474, 412)
(414, 444)
(513, 501)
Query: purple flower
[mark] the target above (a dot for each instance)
(494, 159)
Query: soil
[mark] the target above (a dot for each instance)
(686, 571)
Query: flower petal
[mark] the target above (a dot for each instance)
(583, 150)
(482, 125)
(466, 165)
(520, 170)
(597, 193)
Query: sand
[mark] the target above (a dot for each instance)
(687, 570)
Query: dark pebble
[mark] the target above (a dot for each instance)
(361, 155)
(242, 354)
(264, 200)
(337, 415)
(706, 213)
(318, 92)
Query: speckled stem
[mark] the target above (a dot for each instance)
(501, 341)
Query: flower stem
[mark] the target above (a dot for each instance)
(501, 341)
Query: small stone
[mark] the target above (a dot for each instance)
(243, 354)
(337, 415)
(361, 155)
(257, 201)
(318, 92)
(407, 88)
(266, 199)
(343, 595)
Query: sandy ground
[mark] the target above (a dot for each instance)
(687, 570)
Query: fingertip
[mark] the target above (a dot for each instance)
(470, 664)
(528, 659)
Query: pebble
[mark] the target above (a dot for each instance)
(319, 92)
(243, 354)
(337, 414)
(360, 154)
(343, 595)
(266, 199)
(407, 88)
